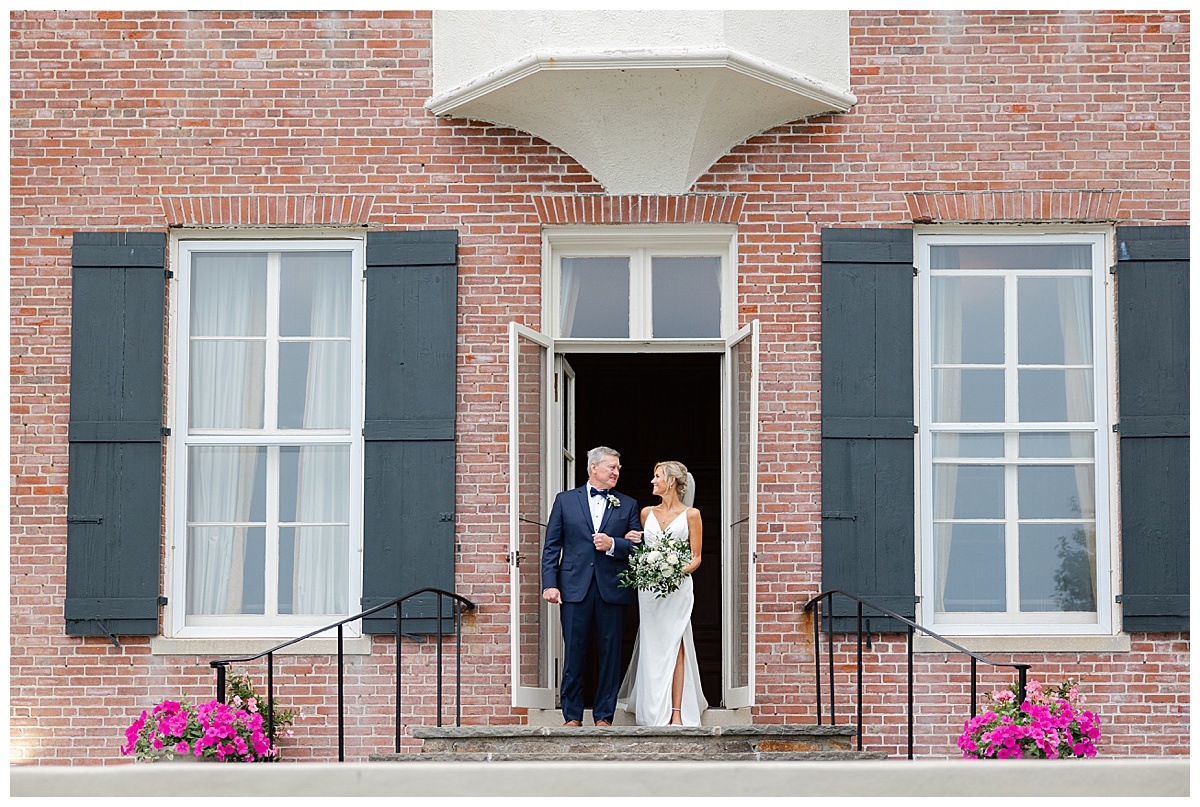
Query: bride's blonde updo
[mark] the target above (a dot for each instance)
(673, 469)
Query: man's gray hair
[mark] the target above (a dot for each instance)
(600, 452)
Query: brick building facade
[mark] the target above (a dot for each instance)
(201, 126)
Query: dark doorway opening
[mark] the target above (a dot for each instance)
(653, 407)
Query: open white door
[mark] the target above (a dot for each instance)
(533, 627)
(564, 401)
(563, 432)
(740, 523)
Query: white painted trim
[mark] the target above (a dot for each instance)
(218, 647)
(1067, 643)
(640, 345)
(606, 235)
(1112, 413)
(619, 59)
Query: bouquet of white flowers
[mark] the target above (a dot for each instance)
(657, 567)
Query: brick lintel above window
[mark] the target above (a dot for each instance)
(996, 207)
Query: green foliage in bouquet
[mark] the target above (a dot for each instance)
(657, 567)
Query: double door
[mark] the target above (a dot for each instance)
(543, 460)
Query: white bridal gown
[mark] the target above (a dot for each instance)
(665, 622)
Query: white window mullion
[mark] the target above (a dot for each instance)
(1012, 576)
(1012, 400)
(1012, 559)
(271, 371)
(641, 307)
(271, 424)
(271, 562)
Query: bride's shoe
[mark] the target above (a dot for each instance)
(673, 723)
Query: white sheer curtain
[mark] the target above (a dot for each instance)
(570, 294)
(946, 308)
(320, 569)
(1075, 321)
(225, 391)
(1072, 301)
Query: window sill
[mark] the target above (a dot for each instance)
(224, 648)
(1026, 644)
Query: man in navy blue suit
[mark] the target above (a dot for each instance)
(588, 538)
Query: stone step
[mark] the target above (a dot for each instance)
(631, 756)
(710, 717)
(753, 742)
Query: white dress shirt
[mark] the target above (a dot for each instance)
(598, 504)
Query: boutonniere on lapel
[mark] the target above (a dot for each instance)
(613, 501)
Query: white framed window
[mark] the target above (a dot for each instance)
(640, 282)
(267, 461)
(1015, 518)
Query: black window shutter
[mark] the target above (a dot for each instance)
(408, 517)
(867, 478)
(114, 533)
(1152, 390)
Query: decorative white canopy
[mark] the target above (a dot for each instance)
(642, 119)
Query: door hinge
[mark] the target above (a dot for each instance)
(162, 600)
(445, 516)
(166, 431)
(916, 271)
(168, 274)
(556, 387)
(1117, 428)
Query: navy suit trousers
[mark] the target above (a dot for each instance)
(578, 619)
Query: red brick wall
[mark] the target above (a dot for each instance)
(116, 115)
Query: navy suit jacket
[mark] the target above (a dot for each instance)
(569, 533)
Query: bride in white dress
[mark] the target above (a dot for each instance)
(662, 686)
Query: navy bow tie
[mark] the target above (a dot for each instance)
(594, 492)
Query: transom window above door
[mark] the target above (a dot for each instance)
(639, 282)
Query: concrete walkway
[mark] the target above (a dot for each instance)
(1096, 777)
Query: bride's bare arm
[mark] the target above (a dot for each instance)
(695, 539)
(634, 535)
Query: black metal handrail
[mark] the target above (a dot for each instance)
(816, 604)
(460, 604)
